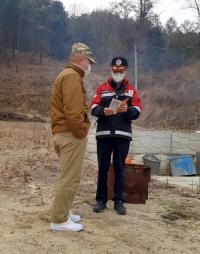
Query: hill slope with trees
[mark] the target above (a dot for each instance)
(170, 101)
(34, 31)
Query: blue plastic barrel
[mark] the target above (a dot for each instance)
(182, 165)
(198, 163)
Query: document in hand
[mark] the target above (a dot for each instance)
(114, 105)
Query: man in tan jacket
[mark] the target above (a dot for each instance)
(70, 126)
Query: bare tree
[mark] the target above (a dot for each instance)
(144, 9)
(124, 9)
(188, 27)
(171, 26)
(76, 9)
(194, 4)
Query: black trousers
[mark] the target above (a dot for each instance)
(105, 148)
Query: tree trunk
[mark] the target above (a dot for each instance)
(18, 45)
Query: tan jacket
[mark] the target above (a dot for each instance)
(69, 109)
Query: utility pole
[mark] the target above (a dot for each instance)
(136, 70)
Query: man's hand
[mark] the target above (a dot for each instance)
(123, 106)
(108, 112)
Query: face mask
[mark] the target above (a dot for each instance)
(87, 72)
(117, 77)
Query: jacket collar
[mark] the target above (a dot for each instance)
(76, 68)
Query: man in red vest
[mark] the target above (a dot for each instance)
(116, 104)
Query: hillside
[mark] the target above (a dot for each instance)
(27, 92)
(25, 95)
(170, 101)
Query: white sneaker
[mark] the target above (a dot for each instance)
(69, 225)
(74, 217)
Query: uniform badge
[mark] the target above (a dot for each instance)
(118, 62)
(130, 92)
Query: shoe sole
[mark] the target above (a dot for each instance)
(75, 221)
(66, 230)
(99, 211)
(119, 212)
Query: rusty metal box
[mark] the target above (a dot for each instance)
(136, 180)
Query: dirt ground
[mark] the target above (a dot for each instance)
(168, 223)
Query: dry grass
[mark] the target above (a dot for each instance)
(170, 101)
(23, 148)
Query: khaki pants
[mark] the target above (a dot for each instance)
(71, 153)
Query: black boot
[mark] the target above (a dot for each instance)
(99, 207)
(119, 207)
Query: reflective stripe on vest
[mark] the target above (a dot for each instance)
(99, 133)
(124, 133)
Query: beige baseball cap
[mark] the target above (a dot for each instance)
(83, 49)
